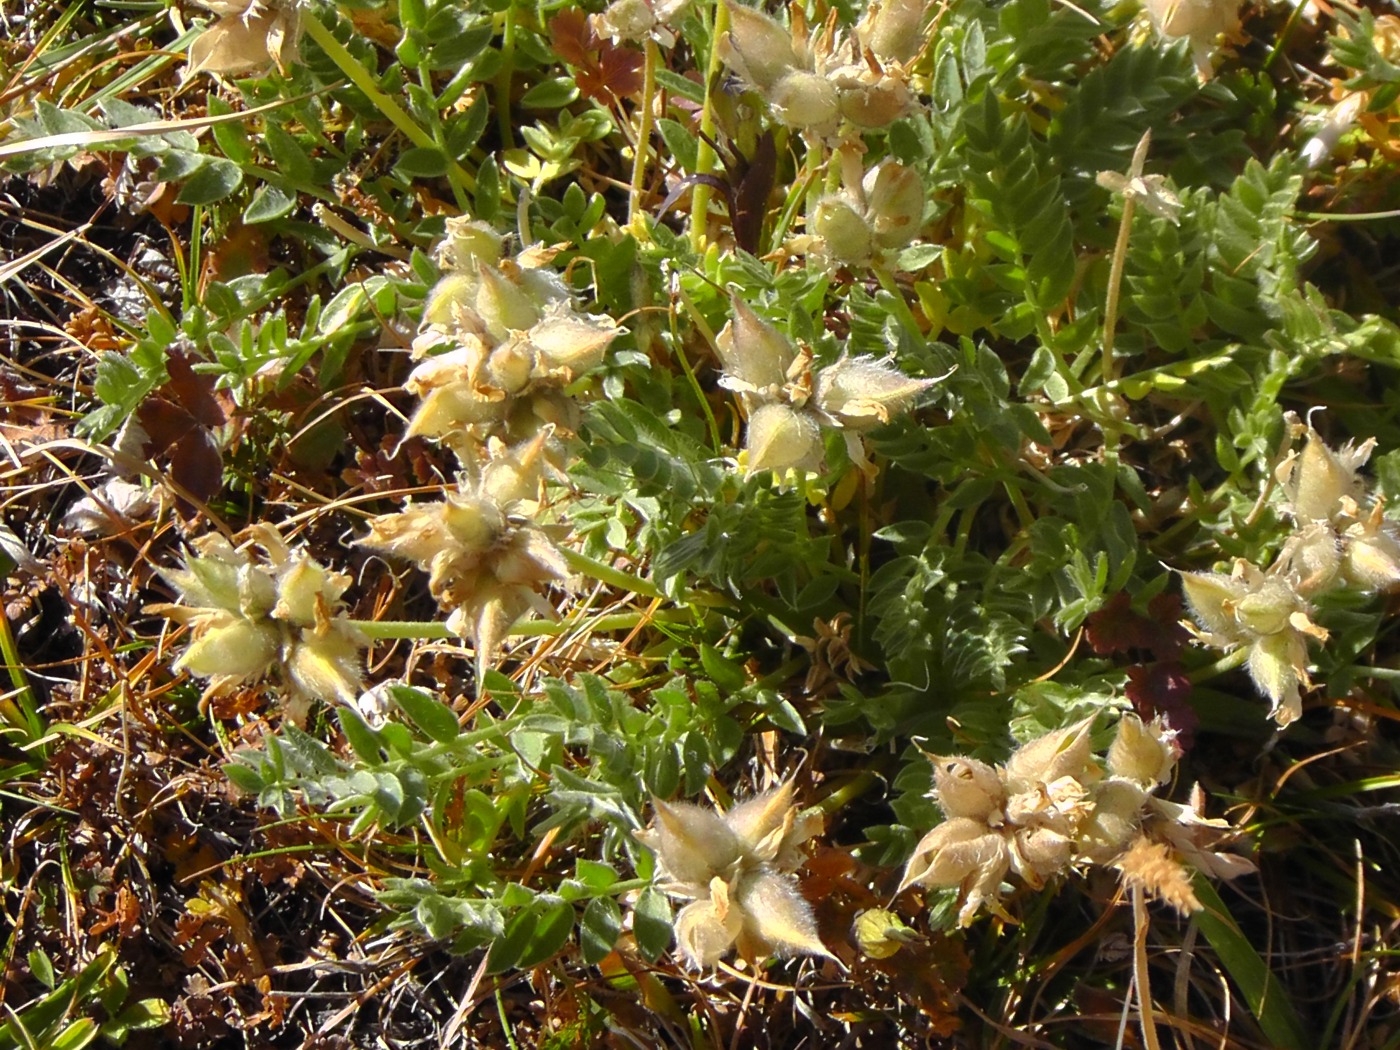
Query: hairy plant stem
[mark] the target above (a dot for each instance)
(704, 154)
(1141, 980)
(643, 147)
(1115, 282)
(1226, 663)
(623, 581)
(1109, 366)
(433, 630)
(842, 796)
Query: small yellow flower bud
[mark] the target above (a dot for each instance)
(300, 585)
(777, 918)
(1319, 478)
(208, 580)
(1278, 665)
(893, 29)
(1039, 854)
(844, 232)
(894, 203)
(1209, 594)
(326, 665)
(1193, 18)
(966, 787)
(1266, 610)
(861, 392)
(1313, 556)
(753, 351)
(706, 929)
(1371, 557)
(1117, 814)
(757, 48)
(1141, 753)
(780, 437)
(452, 407)
(503, 305)
(1065, 752)
(473, 525)
(229, 646)
(572, 343)
(509, 367)
(513, 474)
(880, 933)
(807, 101)
(873, 102)
(954, 851)
(627, 20)
(1200, 21)
(470, 243)
(454, 292)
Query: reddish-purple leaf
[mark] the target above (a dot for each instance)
(1162, 688)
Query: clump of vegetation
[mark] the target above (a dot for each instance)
(512, 506)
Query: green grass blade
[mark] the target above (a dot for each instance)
(1266, 996)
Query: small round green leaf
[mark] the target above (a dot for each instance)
(551, 932)
(428, 713)
(551, 94)
(212, 181)
(268, 203)
(421, 162)
(651, 920)
(597, 933)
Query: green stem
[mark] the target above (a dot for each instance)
(502, 85)
(704, 155)
(1226, 663)
(702, 326)
(393, 112)
(1018, 502)
(1387, 674)
(797, 194)
(1115, 283)
(191, 288)
(18, 708)
(623, 581)
(439, 133)
(643, 148)
(842, 796)
(901, 307)
(432, 630)
(380, 630)
(814, 170)
(1130, 188)
(505, 1019)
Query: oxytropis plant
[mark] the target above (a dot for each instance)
(1341, 540)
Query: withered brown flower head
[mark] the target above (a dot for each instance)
(1055, 806)
(249, 35)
